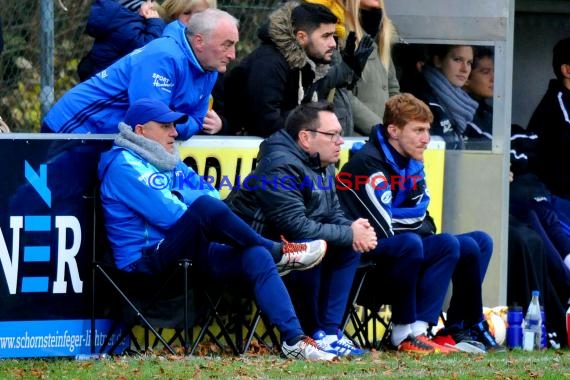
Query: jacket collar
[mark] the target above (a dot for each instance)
(281, 141)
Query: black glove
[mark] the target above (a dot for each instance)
(356, 57)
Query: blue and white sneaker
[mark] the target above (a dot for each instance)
(337, 344)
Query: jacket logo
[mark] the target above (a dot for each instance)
(162, 82)
(386, 197)
(446, 125)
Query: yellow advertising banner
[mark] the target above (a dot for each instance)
(226, 160)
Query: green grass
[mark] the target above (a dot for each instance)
(550, 364)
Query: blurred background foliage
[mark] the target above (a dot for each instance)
(20, 62)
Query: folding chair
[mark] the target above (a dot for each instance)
(136, 305)
(268, 333)
(367, 318)
(137, 302)
(235, 314)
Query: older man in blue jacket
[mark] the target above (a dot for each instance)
(180, 70)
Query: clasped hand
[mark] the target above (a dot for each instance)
(363, 236)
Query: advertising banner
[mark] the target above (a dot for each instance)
(48, 232)
(46, 246)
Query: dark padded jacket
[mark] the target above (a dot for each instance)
(117, 32)
(289, 194)
(277, 76)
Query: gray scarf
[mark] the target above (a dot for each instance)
(457, 102)
(148, 149)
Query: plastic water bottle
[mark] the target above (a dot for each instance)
(532, 326)
(515, 328)
(544, 334)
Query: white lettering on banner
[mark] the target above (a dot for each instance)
(67, 246)
(66, 256)
(10, 266)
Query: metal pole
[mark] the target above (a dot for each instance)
(46, 55)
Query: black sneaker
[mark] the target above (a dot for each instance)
(480, 332)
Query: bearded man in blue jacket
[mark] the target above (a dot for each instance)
(158, 211)
(179, 69)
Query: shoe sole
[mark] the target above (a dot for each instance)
(466, 347)
(312, 265)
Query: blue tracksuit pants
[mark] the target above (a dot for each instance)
(224, 248)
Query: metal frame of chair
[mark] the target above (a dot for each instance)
(365, 319)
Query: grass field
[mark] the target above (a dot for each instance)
(550, 364)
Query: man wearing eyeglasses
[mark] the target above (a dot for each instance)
(291, 193)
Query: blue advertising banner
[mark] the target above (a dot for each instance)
(47, 203)
(27, 339)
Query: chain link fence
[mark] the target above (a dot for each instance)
(24, 55)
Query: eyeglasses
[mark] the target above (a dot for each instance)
(335, 136)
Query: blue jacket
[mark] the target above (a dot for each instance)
(173, 28)
(165, 69)
(394, 198)
(141, 203)
(117, 32)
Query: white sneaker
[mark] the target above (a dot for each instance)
(470, 346)
(301, 256)
(306, 349)
(337, 344)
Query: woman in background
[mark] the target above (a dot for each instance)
(378, 80)
(182, 10)
(441, 88)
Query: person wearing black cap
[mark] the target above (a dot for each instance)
(551, 122)
(158, 211)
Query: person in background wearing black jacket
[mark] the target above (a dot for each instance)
(480, 87)
(297, 62)
(539, 237)
(551, 122)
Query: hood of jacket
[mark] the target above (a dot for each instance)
(280, 31)
(377, 147)
(177, 31)
(107, 16)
